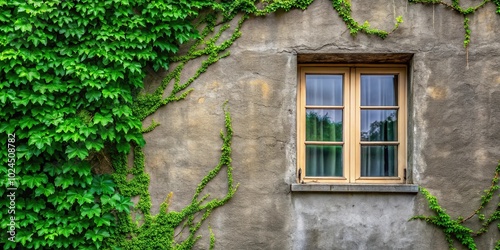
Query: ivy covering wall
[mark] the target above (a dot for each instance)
(72, 107)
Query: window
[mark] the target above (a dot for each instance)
(352, 124)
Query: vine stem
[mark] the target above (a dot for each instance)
(459, 8)
(491, 189)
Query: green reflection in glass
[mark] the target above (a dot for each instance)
(324, 125)
(379, 125)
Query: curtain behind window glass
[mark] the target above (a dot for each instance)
(324, 124)
(323, 160)
(379, 90)
(324, 90)
(379, 161)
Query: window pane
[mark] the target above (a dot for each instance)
(379, 90)
(324, 125)
(379, 161)
(324, 90)
(379, 125)
(323, 160)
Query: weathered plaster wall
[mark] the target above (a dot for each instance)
(453, 130)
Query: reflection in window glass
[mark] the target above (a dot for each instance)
(324, 90)
(379, 90)
(323, 160)
(379, 161)
(324, 125)
(379, 125)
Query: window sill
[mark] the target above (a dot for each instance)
(355, 188)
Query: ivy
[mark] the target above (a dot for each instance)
(455, 6)
(454, 228)
(343, 8)
(69, 74)
(157, 231)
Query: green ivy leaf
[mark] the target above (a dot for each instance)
(63, 181)
(94, 145)
(79, 225)
(102, 119)
(90, 212)
(28, 122)
(87, 131)
(72, 196)
(96, 234)
(79, 152)
(50, 236)
(137, 138)
(123, 110)
(66, 231)
(33, 75)
(105, 219)
(66, 127)
(102, 184)
(76, 137)
(122, 127)
(5, 95)
(87, 197)
(124, 205)
(34, 180)
(123, 147)
(23, 25)
(93, 95)
(57, 198)
(111, 200)
(29, 217)
(36, 205)
(45, 190)
(24, 236)
(107, 134)
(64, 206)
(40, 140)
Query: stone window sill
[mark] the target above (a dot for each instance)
(355, 188)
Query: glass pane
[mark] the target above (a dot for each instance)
(379, 90)
(379, 125)
(322, 160)
(324, 90)
(324, 125)
(379, 161)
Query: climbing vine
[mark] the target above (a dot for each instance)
(157, 232)
(466, 12)
(454, 229)
(72, 104)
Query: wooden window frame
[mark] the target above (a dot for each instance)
(351, 122)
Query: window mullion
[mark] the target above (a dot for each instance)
(353, 162)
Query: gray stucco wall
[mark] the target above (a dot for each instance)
(453, 131)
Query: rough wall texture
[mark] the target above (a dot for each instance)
(453, 130)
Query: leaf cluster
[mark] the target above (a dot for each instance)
(343, 8)
(69, 73)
